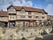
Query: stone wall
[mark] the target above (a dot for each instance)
(28, 33)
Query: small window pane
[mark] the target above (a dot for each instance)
(22, 11)
(29, 13)
(22, 16)
(30, 16)
(36, 16)
(43, 17)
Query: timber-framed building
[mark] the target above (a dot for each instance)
(22, 16)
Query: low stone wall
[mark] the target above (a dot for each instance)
(28, 33)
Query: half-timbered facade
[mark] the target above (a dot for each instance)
(22, 16)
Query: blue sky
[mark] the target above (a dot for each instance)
(42, 4)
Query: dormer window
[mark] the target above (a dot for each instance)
(11, 10)
(22, 11)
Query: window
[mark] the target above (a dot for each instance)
(30, 16)
(42, 13)
(19, 23)
(29, 13)
(11, 9)
(36, 16)
(43, 17)
(22, 11)
(27, 24)
(22, 16)
(11, 17)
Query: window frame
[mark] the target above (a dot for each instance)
(29, 16)
(29, 13)
(43, 17)
(36, 16)
(22, 11)
(22, 16)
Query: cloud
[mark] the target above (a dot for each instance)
(23, 3)
(49, 0)
(4, 7)
(5, 3)
(38, 6)
(49, 8)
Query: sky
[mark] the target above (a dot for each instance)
(47, 5)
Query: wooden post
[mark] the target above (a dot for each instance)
(23, 23)
(33, 23)
(8, 25)
(29, 23)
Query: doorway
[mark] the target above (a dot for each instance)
(11, 23)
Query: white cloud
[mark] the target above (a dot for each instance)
(5, 4)
(49, 8)
(29, 3)
(23, 3)
(4, 7)
(38, 6)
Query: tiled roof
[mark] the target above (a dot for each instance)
(3, 13)
(28, 9)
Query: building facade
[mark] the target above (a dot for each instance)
(22, 16)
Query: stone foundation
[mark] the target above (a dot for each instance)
(28, 33)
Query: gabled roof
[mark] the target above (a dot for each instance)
(28, 9)
(16, 7)
(5, 13)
